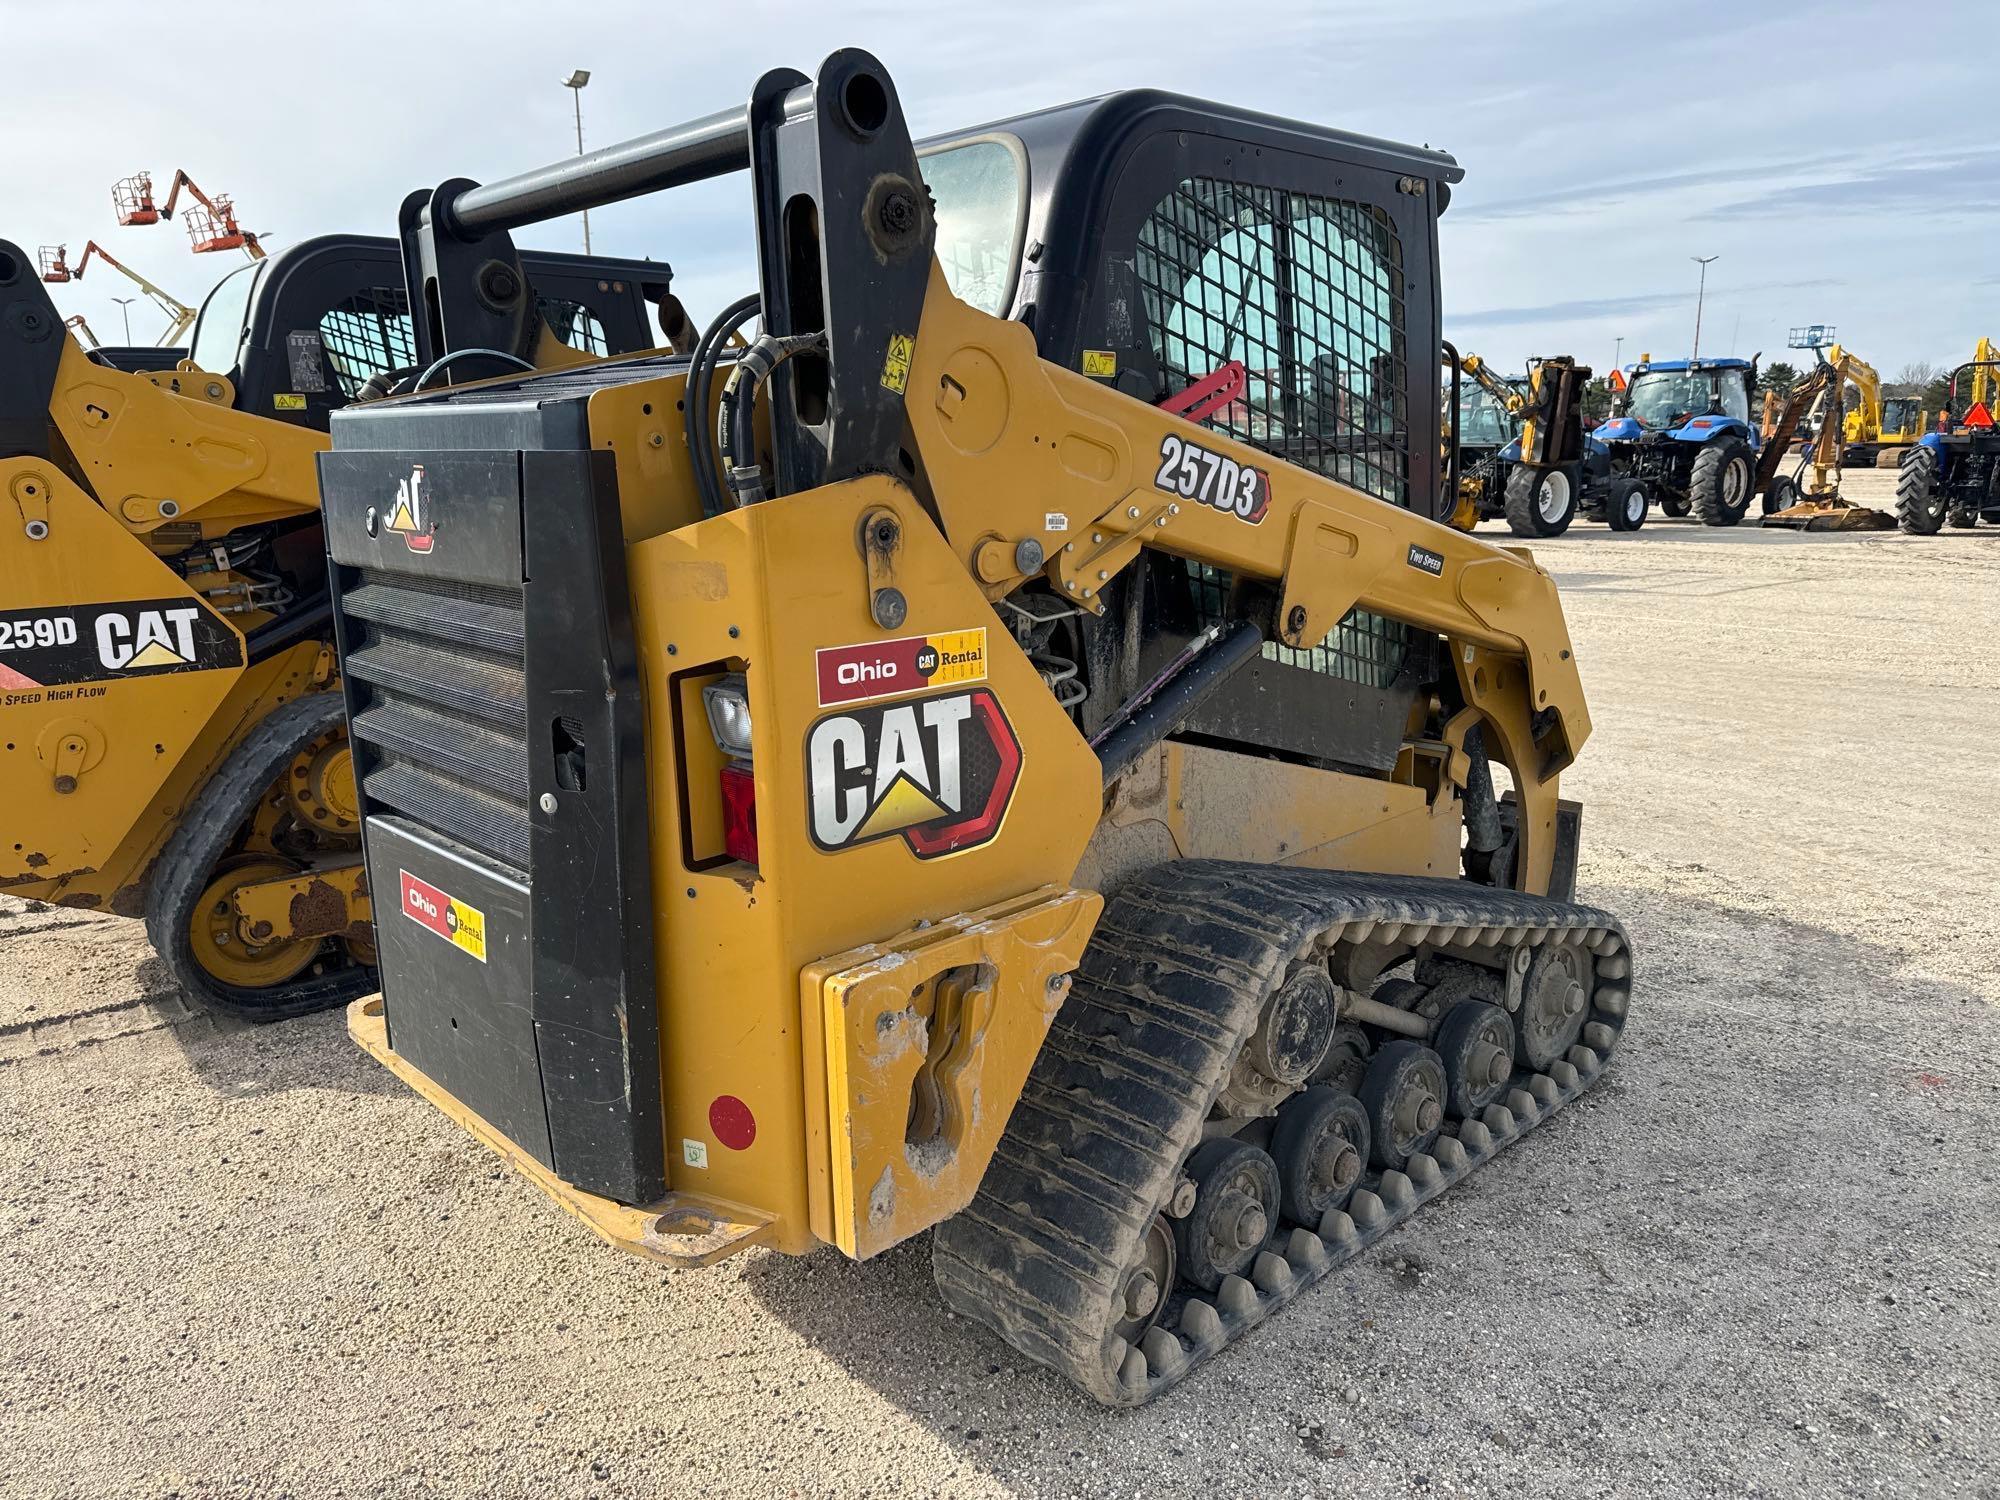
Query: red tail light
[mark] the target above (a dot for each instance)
(739, 813)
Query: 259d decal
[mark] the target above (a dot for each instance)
(104, 642)
(937, 772)
(1194, 473)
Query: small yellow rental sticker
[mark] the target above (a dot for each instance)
(896, 368)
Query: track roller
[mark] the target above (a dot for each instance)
(1476, 1042)
(1236, 1203)
(1404, 1096)
(1320, 1145)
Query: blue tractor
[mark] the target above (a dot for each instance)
(1683, 431)
(1953, 474)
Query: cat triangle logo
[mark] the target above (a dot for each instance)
(903, 805)
(406, 517)
(157, 655)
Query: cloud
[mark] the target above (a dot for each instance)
(1965, 183)
(1604, 192)
(1587, 308)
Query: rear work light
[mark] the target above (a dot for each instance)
(739, 813)
(727, 701)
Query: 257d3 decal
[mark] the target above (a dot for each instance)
(937, 772)
(104, 642)
(1194, 473)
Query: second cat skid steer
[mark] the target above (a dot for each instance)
(900, 778)
(169, 696)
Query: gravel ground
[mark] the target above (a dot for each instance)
(1758, 1260)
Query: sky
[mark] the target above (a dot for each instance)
(1816, 150)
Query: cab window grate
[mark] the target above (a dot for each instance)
(1307, 292)
(367, 334)
(1364, 648)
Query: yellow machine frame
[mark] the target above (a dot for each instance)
(112, 767)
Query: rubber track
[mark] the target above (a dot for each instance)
(187, 864)
(1169, 990)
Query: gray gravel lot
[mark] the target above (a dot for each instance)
(1760, 1259)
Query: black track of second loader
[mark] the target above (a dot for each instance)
(188, 863)
(1169, 991)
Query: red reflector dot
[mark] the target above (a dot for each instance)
(734, 1126)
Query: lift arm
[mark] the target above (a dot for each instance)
(1093, 477)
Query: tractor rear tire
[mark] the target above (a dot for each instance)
(1540, 502)
(1719, 488)
(1626, 503)
(1920, 507)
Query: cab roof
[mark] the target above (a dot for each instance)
(1698, 364)
(1075, 152)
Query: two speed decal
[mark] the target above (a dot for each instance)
(1194, 473)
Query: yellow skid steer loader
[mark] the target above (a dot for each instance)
(909, 775)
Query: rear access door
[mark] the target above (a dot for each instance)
(494, 704)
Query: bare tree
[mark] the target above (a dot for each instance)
(1918, 372)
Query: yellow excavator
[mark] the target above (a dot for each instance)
(169, 694)
(1897, 423)
(1873, 428)
(907, 774)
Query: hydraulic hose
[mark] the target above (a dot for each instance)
(694, 425)
(737, 425)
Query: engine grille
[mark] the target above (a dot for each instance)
(440, 706)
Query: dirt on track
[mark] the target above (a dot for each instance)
(1759, 1259)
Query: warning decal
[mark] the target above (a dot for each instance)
(896, 366)
(909, 664)
(451, 919)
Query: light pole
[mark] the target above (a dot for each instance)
(1617, 353)
(1700, 292)
(125, 310)
(574, 83)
